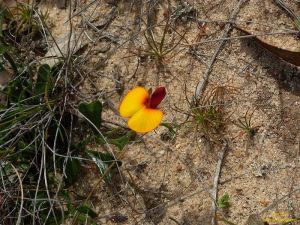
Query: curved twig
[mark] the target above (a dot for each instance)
(203, 83)
(22, 195)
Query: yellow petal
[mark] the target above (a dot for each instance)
(145, 120)
(133, 101)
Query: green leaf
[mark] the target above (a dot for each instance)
(85, 209)
(5, 151)
(6, 167)
(44, 79)
(122, 141)
(73, 169)
(92, 111)
(223, 202)
(297, 24)
(3, 48)
(85, 219)
(171, 127)
(11, 61)
(103, 162)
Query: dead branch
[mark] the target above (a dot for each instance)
(203, 83)
(214, 191)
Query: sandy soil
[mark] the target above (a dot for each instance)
(162, 182)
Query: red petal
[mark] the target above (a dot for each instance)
(157, 96)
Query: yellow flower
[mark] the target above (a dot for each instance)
(139, 105)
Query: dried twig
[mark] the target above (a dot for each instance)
(214, 191)
(289, 11)
(275, 203)
(203, 83)
(22, 195)
(284, 32)
(85, 8)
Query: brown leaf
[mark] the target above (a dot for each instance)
(287, 55)
(5, 76)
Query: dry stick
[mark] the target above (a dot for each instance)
(214, 191)
(275, 203)
(22, 195)
(243, 36)
(203, 83)
(289, 11)
(183, 196)
(198, 93)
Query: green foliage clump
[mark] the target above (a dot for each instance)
(223, 202)
(45, 135)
